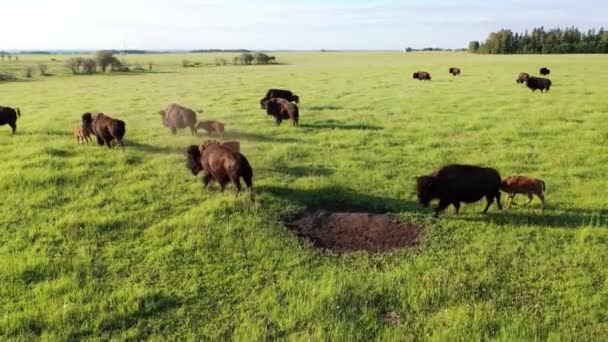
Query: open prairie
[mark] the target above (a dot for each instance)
(98, 243)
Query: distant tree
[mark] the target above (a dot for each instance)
(104, 59)
(2, 57)
(150, 65)
(73, 65)
(89, 66)
(246, 58)
(10, 57)
(186, 63)
(474, 46)
(7, 76)
(235, 60)
(28, 71)
(16, 57)
(43, 68)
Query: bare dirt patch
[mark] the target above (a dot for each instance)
(349, 232)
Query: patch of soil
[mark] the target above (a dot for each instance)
(349, 232)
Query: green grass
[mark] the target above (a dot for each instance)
(110, 244)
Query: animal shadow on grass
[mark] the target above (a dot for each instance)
(324, 107)
(50, 132)
(153, 148)
(569, 218)
(239, 135)
(333, 124)
(301, 171)
(339, 199)
(148, 306)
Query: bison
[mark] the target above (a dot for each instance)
(455, 183)
(522, 78)
(455, 71)
(282, 109)
(538, 83)
(544, 71)
(514, 185)
(82, 134)
(177, 117)
(211, 127)
(219, 163)
(422, 75)
(104, 128)
(8, 116)
(281, 94)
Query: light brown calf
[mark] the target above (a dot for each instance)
(82, 135)
(211, 127)
(514, 185)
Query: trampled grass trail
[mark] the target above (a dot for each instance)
(109, 244)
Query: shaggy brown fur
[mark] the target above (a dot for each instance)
(8, 116)
(455, 71)
(232, 145)
(177, 117)
(522, 78)
(220, 164)
(514, 185)
(282, 109)
(211, 127)
(281, 94)
(82, 135)
(422, 75)
(538, 83)
(453, 184)
(104, 128)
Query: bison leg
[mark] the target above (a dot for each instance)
(193, 130)
(100, 141)
(498, 200)
(457, 207)
(13, 126)
(237, 185)
(207, 179)
(441, 207)
(173, 130)
(490, 199)
(249, 183)
(109, 143)
(530, 197)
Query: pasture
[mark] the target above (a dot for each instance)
(98, 243)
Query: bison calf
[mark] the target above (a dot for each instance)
(453, 184)
(282, 109)
(514, 185)
(8, 116)
(211, 127)
(104, 128)
(177, 117)
(538, 83)
(219, 163)
(544, 71)
(82, 134)
(422, 76)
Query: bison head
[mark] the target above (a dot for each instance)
(194, 159)
(296, 98)
(263, 102)
(426, 189)
(87, 122)
(415, 75)
(163, 117)
(272, 106)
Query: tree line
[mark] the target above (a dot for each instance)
(541, 41)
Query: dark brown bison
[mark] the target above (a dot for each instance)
(281, 94)
(219, 163)
(538, 83)
(514, 185)
(421, 76)
(211, 127)
(544, 71)
(8, 116)
(177, 117)
(455, 71)
(282, 109)
(104, 128)
(453, 184)
(522, 78)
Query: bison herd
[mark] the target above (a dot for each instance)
(223, 162)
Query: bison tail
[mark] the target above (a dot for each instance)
(543, 184)
(18, 112)
(120, 129)
(194, 159)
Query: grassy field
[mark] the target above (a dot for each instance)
(98, 243)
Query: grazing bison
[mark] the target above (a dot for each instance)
(455, 71)
(422, 75)
(232, 145)
(219, 163)
(544, 71)
(82, 134)
(211, 127)
(453, 184)
(281, 94)
(522, 78)
(282, 109)
(538, 83)
(514, 185)
(8, 116)
(177, 117)
(105, 128)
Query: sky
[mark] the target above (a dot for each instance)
(279, 25)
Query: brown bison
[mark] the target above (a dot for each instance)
(82, 134)
(522, 78)
(177, 117)
(211, 127)
(514, 185)
(281, 94)
(544, 71)
(282, 109)
(453, 184)
(104, 128)
(538, 83)
(219, 163)
(232, 145)
(421, 76)
(8, 116)
(455, 71)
